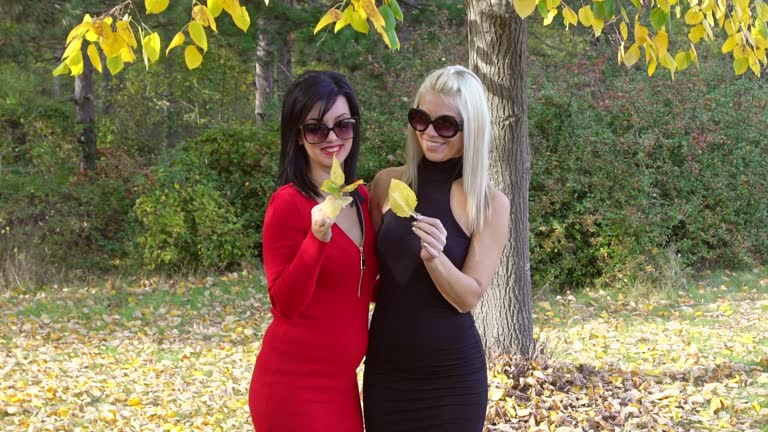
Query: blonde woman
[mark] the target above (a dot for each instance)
(425, 368)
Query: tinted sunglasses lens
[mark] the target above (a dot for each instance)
(315, 132)
(418, 119)
(446, 126)
(344, 129)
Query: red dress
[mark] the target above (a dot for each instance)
(305, 374)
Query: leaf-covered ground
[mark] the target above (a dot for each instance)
(178, 355)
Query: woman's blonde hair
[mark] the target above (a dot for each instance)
(463, 90)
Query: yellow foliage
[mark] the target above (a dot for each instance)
(402, 199)
(192, 57)
(524, 7)
(197, 33)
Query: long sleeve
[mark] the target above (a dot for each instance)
(293, 256)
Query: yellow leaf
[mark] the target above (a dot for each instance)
(741, 50)
(762, 10)
(337, 174)
(369, 6)
(693, 16)
(550, 16)
(641, 33)
(661, 41)
(202, 15)
(242, 19)
(352, 186)
(331, 16)
(75, 63)
(402, 200)
(94, 57)
(155, 6)
(215, 7)
(524, 7)
(569, 16)
(127, 54)
(177, 40)
(740, 65)
(134, 402)
(731, 42)
(597, 25)
(80, 30)
(72, 48)
(231, 6)
(346, 18)
(151, 48)
(358, 21)
(125, 33)
(61, 69)
(682, 60)
(111, 44)
(586, 16)
(115, 64)
(632, 55)
(696, 33)
(192, 57)
(332, 205)
(197, 33)
(495, 393)
(624, 30)
(651, 66)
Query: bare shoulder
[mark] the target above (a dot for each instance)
(499, 201)
(498, 218)
(380, 184)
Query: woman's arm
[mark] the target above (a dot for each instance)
(464, 288)
(293, 255)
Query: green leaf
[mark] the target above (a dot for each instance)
(659, 18)
(541, 6)
(396, 11)
(389, 18)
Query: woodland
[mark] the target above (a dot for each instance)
(130, 279)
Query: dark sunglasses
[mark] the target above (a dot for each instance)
(444, 125)
(316, 133)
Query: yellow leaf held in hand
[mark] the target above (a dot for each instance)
(402, 200)
(332, 205)
(336, 188)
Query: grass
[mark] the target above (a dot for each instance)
(177, 354)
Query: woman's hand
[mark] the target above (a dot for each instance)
(321, 224)
(432, 235)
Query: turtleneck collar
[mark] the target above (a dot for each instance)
(448, 170)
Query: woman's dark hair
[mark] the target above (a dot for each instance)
(306, 91)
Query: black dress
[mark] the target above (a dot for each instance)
(425, 368)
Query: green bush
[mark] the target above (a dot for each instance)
(203, 207)
(627, 168)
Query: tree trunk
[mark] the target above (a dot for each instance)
(86, 119)
(498, 54)
(263, 80)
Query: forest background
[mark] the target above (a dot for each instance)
(638, 183)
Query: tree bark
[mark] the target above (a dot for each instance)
(498, 54)
(86, 118)
(263, 80)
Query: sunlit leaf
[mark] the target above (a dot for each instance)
(242, 19)
(331, 16)
(585, 16)
(155, 6)
(524, 8)
(202, 15)
(197, 33)
(177, 40)
(402, 199)
(215, 7)
(94, 57)
(151, 48)
(192, 57)
(115, 64)
(61, 69)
